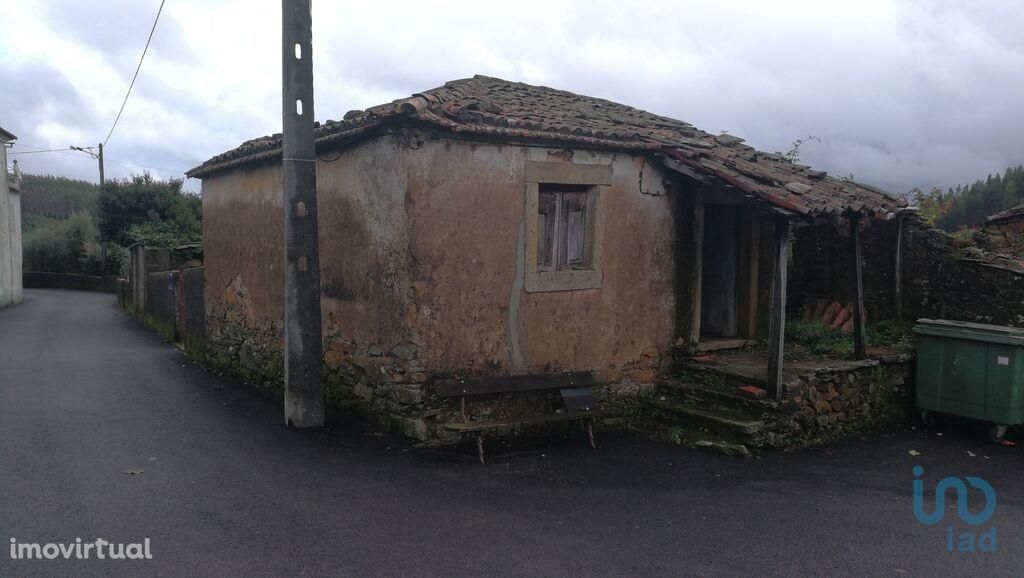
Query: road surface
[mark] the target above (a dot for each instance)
(108, 432)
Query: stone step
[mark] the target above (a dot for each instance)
(729, 395)
(723, 344)
(732, 373)
(732, 425)
(723, 447)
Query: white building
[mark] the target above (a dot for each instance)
(10, 226)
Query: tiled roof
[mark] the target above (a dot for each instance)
(1011, 213)
(498, 109)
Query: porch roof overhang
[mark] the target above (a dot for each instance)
(805, 195)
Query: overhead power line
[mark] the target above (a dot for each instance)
(74, 152)
(38, 151)
(134, 164)
(137, 69)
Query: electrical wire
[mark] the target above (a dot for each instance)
(38, 151)
(73, 153)
(134, 164)
(137, 69)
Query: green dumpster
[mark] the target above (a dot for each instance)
(971, 370)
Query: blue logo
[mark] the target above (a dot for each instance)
(966, 541)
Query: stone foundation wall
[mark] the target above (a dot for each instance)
(836, 403)
(251, 352)
(391, 387)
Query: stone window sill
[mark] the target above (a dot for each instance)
(562, 281)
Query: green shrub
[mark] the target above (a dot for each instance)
(819, 339)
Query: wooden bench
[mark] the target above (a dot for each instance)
(575, 388)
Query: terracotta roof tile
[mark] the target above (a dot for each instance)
(506, 110)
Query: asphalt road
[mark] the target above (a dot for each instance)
(87, 394)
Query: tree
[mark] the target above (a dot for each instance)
(969, 205)
(64, 246)
(145, 210)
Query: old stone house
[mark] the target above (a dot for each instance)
(10, 227)
(489, 227)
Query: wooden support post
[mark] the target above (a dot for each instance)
(689, 268)
(858, 289)
(898, 273)
(750, 242)
(777, 311)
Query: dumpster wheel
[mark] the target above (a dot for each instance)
(997, 434)
(927, 419)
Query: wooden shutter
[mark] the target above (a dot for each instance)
(574, 215)
(547, 218)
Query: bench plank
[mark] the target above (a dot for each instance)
(478, 426)
(512, 383)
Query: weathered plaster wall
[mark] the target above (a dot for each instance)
(242, 236)
(17, 280)
(6, 257)
(468, 233)
(422, 262)
(365, 261)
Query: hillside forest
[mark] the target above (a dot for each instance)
(67, 223)
(967, 206)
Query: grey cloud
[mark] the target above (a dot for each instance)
(900, 94)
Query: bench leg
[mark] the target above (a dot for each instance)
(590, 433)
(480, 446)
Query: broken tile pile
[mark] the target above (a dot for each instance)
(831, 313)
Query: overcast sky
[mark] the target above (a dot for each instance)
(900, 94)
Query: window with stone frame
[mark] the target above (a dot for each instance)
(563, 240)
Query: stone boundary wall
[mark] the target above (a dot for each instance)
(939, 279)
(47, 280)
(173, 303)
(161, 306)
(942, 281)
(193, 311)
(1004, 232)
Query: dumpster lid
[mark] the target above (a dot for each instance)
(971, 331)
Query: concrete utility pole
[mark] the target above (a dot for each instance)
(99, 157)
(303, 392)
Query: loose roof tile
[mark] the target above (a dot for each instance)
(503, 110)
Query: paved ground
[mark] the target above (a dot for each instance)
(87, 393)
